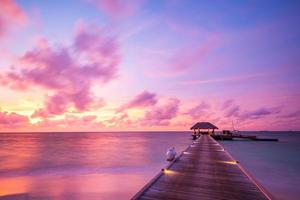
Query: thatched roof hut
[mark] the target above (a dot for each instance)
(203, 125)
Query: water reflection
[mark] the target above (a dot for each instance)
(82, 165)
(281, 159)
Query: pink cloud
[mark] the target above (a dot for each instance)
(224, 79)
(181, 60)
(161, 115)
(120, 120)
(12, 120)
(68, 72)
(199, 110)
(55, 105)
(260, 113)
(223, 114)
(230, 109)
(142, 100)
(188, 57)
(69, 122)
(227, 103)
(11, 16)
(295, 114)
(119, 8)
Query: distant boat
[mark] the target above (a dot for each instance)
(234, 131)
(171, 154)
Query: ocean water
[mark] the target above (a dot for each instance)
(275, 165)
(82, 165)
(116, 165)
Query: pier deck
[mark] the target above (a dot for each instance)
(203, 171)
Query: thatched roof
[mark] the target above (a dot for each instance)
(204, 125)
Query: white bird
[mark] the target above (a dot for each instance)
(171, 154)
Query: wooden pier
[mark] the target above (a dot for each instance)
(244, 137)
(203, 171)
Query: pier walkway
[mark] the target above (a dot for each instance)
(203, 171)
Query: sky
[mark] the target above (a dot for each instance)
(149, 65)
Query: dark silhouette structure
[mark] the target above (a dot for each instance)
(203, 128)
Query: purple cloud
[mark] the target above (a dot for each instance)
(119, 8)
(161, 115)
(11, 16)
(143, 99)
(198, 110)
(185, 58)
(294, 114)
(230, 109)
(12, 120)
(68, 72)
(120, 120)
(227, 104)
(259, 113)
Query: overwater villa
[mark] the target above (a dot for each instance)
(203, 128)
(207, 128)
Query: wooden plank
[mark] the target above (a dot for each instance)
(203, 171)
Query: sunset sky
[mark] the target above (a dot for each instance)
(110, 65)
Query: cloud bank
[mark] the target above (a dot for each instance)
(67, 73)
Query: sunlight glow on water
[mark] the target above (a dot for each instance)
(82, 165)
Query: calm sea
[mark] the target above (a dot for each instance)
(116, 165)
(275, 165)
